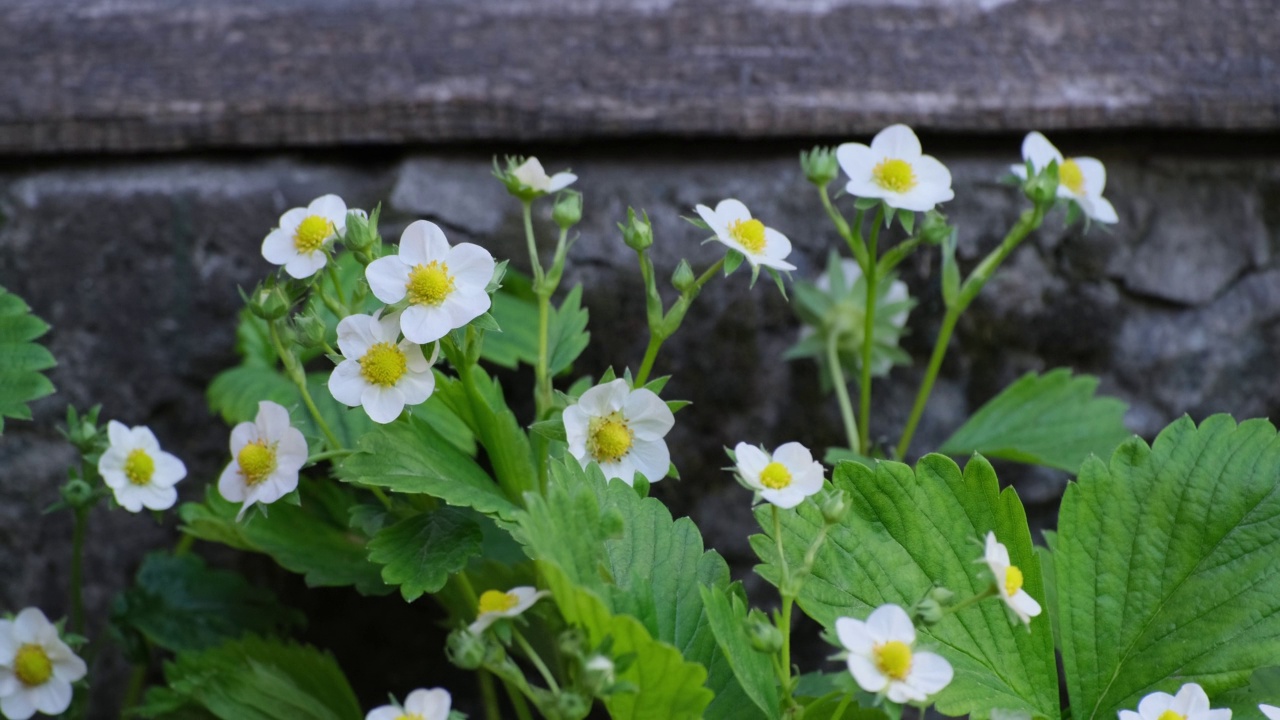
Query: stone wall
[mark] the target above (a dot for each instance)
(135, 263)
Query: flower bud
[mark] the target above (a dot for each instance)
(934, 229)
(683, 278)
(77, 493)
(835, 506)
(362, 230)
(941, 595)
(572, 705)
(465, 649)
(928, 611)
(765, 638)
(598, 674)
(568, 209)
(311, 330)
(572, 642)
(269, 302)
(1042, 188)
(820, 166)
(637, 233)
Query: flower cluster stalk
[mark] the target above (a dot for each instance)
(668, 322)
(869, 320)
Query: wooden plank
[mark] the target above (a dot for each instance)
(149, 75)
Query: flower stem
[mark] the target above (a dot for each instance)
(930, 374)
(536, 659)
(842, 394)
(517, 700)
(489, 691)
(534, 263)
(658, 336)
(542, 386)
(784, 621)
(133, 692)
(650, 355)
(852, 235)
(77, 569)
(869, 315)
(337, 284)
(328, 455)
(844, 705)
(184, 545)
(991, 591)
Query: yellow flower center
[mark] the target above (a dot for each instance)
(311, 233)
(32, 665)
(1071, 178)
(775, 476)
(257, 460)
(896, 175)
(1171, 715)
(429, 284)
(609, 438)
(893, 659)
(749, 234)
(1012, 580)
(409, 716)
(384, 364)
(496, 601)
(139, 467)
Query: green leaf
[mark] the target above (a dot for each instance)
(179, 604)
(866, 203)
(1166, 564)
(313, 539)
(754, 670)
(420, 553)
(518, 341)
(235, 392)
(484, 411)
(950, 271)
(411, 457)
(21, 359)
(907, 530)
(258, 679)
(1052, 420)
(908, 220)
(552, 429)
(567, 334)
(732, 261)
(1263, 687)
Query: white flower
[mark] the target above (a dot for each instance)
(534, 177)
(786, 478)
(852, 274)
(379, 373)
(267, 455)
(1080, 179)
(621, 430)
(36, 667)
(445, 285)
(733, 225)
(882, 657)
(138, 471)
(853, 303)
(298, 244)
(495, 605)
(1271, 711)
(895, 170)
(419, 705)
(1008, 578)
(1191, 703)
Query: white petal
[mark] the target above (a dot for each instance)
(1024, 604)
(274, 487)
(1041, 152)
(231, 484)
(112, 461)
(272, 420)
(793, 455)
(423, 242)
(854, 636)
(1094, 173)
(647, 415)
(866, 187)
(1020, 172)
(867, 674)
(304, 266)
(386, 712)
(291, 219)
(930, 673)
(896, 141)
(1271, 711)
(930, 171)
(9, 683)
(118, 433)
(1100, 209)
(355, 336)
(901, 692)
(751, 461)
(8, 644)
(470, 264)
(1129, 715)
(771, 262)
(891, 622)
(414, 360)
(291, 451)
(560, 181)
(1153, 705)
(624, 469)
(776, 245)
(416, 387)
(18, 706)
(597, 401)
(383, 404)
(651, 459)
(66, 664)
(575, 429)
(1219, 714)
(531, 173)
(154, 497)
(170, 470)
(31, 626)
(385, 328)
(129, 497)
(332, 208)
(856, 160)
(423, 324)
(709, 217)
(430, 704)
(388, 278)
(785, 498)
(1191, 700)
(465, 304)
(346, 384)
(731, 210)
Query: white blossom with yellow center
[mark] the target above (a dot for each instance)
(266, 457)
(621, 430)
(445, 286)
(895, 169)
(883, 659)
(138, 471)
(497, 604)
(36, 667)
(1080, 179)
(421, 704)
(785, 478)
(1008, 579)
(733, 225)
(299, 243)
(1191, 703)
(531, 174)
(379, 371)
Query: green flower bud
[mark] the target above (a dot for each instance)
(928, 611)
(835, 506)
(572, 643)
(465, 649)
(77, 493)
(311, 330)
(765, 638)
(362, 230)
(820, 166)
(568, 209)
(572, 705)
(598, 674)
(941, 595)
(270, 302)
(637, 233)
(683, 278)
(934, 229)
(1042, 188)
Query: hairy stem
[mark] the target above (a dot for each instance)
(869, 322)
(536, 659)
(930, 375)
(77, 569)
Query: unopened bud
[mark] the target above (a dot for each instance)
(683, 278)
(764, 636)
(269, 302)
(835, 506)
(928, 611)
(572, 642)
(598, 674)
(941, 595)
(465, 649)
(568, 209)
(77, 493)
(820, 166)
(572, 705)
(1042, 188)
(934, 229)
(637, 233)
(361, 230)
(311, 330)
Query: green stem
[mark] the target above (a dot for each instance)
(489, 691)
(868, 328)
(542, 386)
(784, 622)
(930, 375)
(709, 273)
(77, 569)
(991, 591)
(842, 393)
(332, 267)
(133, 692)
(844, 705)
(678, 310)
(328, 455)
(536, 659)
(515, 693)
(534, 262)
(852, 235)
(650, 355)
(330, 303)
(184, 545)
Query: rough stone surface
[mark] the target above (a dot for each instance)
(135, 264)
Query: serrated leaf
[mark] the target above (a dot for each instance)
(21, 359)
(518, 341)
(421, 552)
(1263, 687)
(411, 457)
(179, 604)
(754, 670)
(907, 530)
(1052, 420)
(567, 334)
(1166, 565)
(552, 429)
(485, 412)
